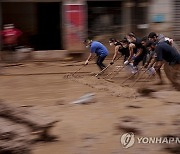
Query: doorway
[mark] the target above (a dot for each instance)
(48, 26)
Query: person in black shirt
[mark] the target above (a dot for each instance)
(147, 54)
(164, 52)
(117, 45)
(142, 52)
(137, 50)
(159, 38)
(133, 43)
(125, 50)
(120, 47)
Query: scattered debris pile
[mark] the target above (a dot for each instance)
(21, 128)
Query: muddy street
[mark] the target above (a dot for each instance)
(94, 127)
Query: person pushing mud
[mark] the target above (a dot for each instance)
(157, 38)
(99, 49)
(166, 54)
(121, 47)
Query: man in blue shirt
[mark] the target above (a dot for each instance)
(99, 49)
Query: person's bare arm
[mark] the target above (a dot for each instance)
(157, 67)
(139, 52)
(158, 64)
(115, 53)
(131, 51)
(151, 62)
(89, 57)
(148, 61)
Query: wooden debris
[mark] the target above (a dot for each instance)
(21, 128)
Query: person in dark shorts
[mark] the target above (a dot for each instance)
(99, 49)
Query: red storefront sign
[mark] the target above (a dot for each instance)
(75, 23)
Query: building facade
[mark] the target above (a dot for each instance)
(63, 24)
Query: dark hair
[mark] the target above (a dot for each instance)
(152, 35)
(131, 34)
(125, 41)
(149, 43)
(145, 39)
(118, 43)
(86, 40)
(112, 40)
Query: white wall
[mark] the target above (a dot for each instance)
(164, 7)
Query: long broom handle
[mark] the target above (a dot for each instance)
(110, 73)
(139, 78)
(103, 70)
(114, 69)
(148, 77)
(81, 67)
(119, 70)
(131, 76)
(78, 70)
(107, 67)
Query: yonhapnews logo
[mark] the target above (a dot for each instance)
(128, 139)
